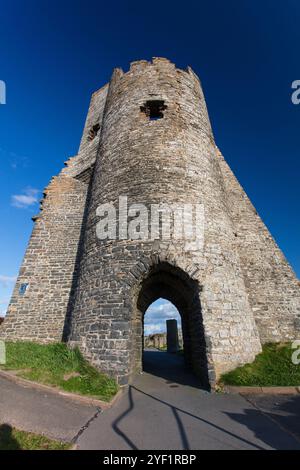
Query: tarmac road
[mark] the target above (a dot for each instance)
(166, 409)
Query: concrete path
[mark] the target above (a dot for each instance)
(165, 409)
(43, 413)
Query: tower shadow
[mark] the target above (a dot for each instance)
(7, 441)
(283, 415)
(170, 367)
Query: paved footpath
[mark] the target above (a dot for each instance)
(43, 413)
(164, 408)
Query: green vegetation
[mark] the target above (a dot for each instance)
(164, 349)
(57, 365)
(12, 439)
(272, 367)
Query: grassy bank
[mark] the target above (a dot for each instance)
(57, 365)
(13, 439)
(273, 367)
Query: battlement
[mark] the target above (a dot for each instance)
(159, 63)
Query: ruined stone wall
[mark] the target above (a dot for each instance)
(170, 160)
(272, 286)
(48, 266)
(81, 166)
(156, 340)
(159, 340)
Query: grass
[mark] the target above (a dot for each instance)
(13, 439)
(272, 367)
(165, 349)
(57, 365)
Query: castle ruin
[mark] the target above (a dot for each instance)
(148, 136)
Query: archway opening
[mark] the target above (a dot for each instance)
(166, 283)
(163, 348)
(160, 318)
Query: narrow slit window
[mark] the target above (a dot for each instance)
(93, 131)
(154, 109)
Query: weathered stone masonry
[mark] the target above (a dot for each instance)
(236, 293)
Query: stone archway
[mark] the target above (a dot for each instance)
(171, 283)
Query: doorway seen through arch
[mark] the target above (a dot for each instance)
(155, 324)
(163, 344)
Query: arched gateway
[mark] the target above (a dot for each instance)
(149, 208)
(173, 284)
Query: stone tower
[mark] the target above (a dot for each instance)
(148, 140)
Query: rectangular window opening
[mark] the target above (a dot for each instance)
(154, 109)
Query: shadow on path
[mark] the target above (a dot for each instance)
(170, 367)
(7, 441)
(282, 410)
(165, 408)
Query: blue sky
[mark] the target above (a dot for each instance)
(53, 55)
(157, 314)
